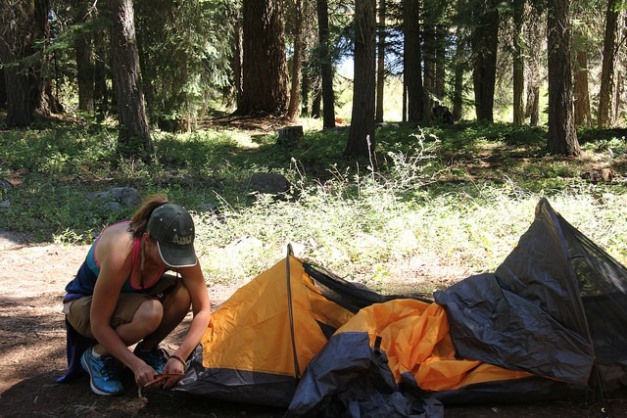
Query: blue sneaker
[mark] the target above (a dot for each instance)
(102, 373)
(155, 358)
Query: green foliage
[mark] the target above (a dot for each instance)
(444, 201)
(185, 48)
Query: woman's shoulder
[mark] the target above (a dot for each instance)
(115, 241)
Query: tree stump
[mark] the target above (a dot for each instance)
(290, 135)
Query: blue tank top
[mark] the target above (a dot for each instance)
(85, 280)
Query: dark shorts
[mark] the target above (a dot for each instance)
(77, 311)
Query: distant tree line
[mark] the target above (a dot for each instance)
(170, 63)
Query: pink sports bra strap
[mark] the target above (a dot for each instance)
(135, 252)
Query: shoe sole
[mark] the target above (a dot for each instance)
(91, 382)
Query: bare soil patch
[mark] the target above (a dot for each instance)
(32, 354)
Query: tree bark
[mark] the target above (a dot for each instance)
(533, 105)
(133, 137)
(101, 92)
(19, 106)
(310, 68)
(361, 140)
(326, 68)
(534, 80)
(484, 43)
(618, 93)
(460, 64)
(238, 56)
(3, 90)
(306, 88)
(316, 104)
(264, 76)
(460, 69)
(440, 62)
(519, 64)
(297, 60)
(22, 26)
(412, 58)
(583, 117)
(562, 134)
(85, 72)
(428, 59)
(380, 62)
(85, 66)
(609, 60)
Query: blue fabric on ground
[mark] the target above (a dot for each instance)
(75, 347)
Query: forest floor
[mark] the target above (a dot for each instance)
(32, 354)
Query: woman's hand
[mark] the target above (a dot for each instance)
(144, 375)
(175, 370)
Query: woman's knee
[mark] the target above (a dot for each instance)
(149, 314)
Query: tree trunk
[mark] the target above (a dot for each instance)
(460, 69)
(264, 76)
(440, 62)
(533, 105)
(238, 56)
(19, 106)
(326, 68)
(609, 60)
(404, 107)
(460, 65)
(361, 141)
(380, 62)
(316, 104)
(85, 66)
(3, 90)
(310, 88)
(534, 80)
(412, 60)
(484, 43)
(85, 71)
(618, 90)
(562, 133)
(428, 81)
(133, 136)
(519, 64)
(46, 101)
(583, 117)
(24, 36)
(101, 92)
(305, 90)
(297, 60)
(310, 68)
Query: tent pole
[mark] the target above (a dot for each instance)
(288, 276)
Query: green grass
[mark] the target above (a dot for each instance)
(444, 202)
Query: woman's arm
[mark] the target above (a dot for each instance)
(115, 267)
(201, 307)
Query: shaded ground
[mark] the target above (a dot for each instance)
(32, 355)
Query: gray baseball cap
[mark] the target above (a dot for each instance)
(173, 229)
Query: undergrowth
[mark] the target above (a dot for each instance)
(443, 201)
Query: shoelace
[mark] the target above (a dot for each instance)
(107, 368)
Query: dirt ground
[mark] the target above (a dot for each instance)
(32, 355)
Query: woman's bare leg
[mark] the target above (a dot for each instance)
(145, 321)
(176, 305)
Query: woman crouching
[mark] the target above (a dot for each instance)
(121, 297)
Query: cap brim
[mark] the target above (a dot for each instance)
(177, 255)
